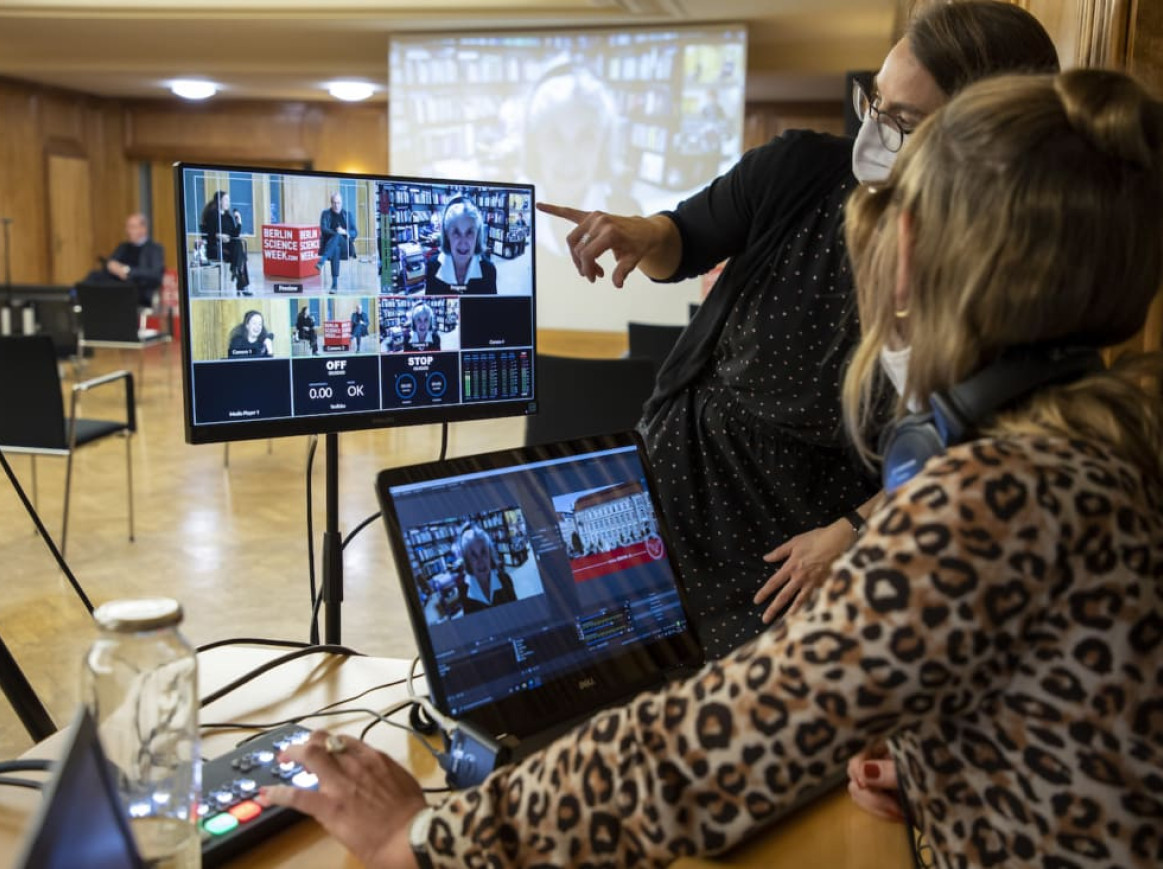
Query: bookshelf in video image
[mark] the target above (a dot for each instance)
(321, 302)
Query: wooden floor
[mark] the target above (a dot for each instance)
(229, 542)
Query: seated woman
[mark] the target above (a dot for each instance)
(461, 266)
(421, 335)
(998, 623)
(250, 338)
(305, 329)
(222, 230)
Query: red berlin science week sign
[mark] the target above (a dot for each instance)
(289, 250)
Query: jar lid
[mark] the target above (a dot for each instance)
(138, 614)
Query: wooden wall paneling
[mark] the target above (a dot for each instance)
(163, 205)
(349, 139)
(115, 181)
(22, 185)
(764, 121)
(1089, 33)
(256, 133)
(62, 117)
(1145, 44)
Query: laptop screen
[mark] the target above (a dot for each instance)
(539, 579)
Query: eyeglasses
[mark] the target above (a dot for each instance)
(892, 131)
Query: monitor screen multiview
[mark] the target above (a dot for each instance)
(316, 302)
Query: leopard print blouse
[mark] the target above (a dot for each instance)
(1000, 620)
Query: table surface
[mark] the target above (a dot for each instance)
(831, 832)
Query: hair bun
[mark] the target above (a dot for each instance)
(1115, 113)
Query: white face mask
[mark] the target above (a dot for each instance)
(871, 161)
(896, 365)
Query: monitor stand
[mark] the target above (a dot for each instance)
(332, 585)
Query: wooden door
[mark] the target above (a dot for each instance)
(70, 216)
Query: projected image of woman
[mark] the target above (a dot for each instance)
(570, 130)
(250, 338)
(422, 335)
(462, 266)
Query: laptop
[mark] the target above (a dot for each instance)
(539, 582)
(80, 822)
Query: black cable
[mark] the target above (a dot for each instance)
(362, 525)
(21, 783)
(376, 515)
(30, 765)
(253, 641)
(313, 629)
(319, 713)
(56, 553)
(272, 664)
(315, 616)
(440, 757)
(230, 725)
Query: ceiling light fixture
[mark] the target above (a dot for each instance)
(351, 91)
(193, 89)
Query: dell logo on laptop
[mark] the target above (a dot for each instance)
(591, 682)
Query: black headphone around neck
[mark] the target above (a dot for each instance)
(960, 411)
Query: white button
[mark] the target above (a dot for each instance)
(305, 779)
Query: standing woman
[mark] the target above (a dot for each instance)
(744, 426)
(224, 244)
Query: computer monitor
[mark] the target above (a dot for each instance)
(314, 302)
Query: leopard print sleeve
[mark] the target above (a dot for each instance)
(925, 622)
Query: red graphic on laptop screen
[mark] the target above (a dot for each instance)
(609, 529)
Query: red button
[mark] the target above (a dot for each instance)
(247, 811)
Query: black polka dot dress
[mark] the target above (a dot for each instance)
(745, 431)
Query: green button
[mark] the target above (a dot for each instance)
(220, 824)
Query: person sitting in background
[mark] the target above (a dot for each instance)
(305, 329)
(462, 266)
(138, 260)
(250, 338)
(421, 335)
(999, 621)
(339, 231)
(222, 233)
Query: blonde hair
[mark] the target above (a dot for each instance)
(1033, 209)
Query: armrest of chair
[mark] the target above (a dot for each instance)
(113, 377)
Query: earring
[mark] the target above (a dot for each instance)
(901, 314)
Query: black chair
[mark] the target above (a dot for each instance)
(652, 341)
(582, 397)
(34, 421)
(110, 316)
